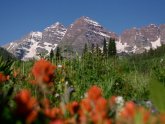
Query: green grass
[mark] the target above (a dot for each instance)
(135, 74)
(157, 94)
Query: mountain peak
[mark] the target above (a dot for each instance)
(54, 26)
(154, 25)
(86, 31)
(89, 21)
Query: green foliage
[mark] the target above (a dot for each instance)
(51, 54)
(85, 49)
(128, 76)
(157, 92)
(122, 88)
(111, 47)
(98, 51)
(5, 66)
(159, 71)
(105, 47)
(93, 48)
(58, 53)
(6, 55)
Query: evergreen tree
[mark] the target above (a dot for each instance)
(111, 47)
(51, 54)
(85, 49)
(105, 47)
(93, 48)
(58, 53)
(98, 51)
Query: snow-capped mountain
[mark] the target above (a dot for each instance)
(36, 43)
(85, 30)
(140, 40)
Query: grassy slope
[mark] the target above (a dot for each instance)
(157, 94)
(138, 72)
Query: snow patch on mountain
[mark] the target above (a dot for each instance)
(102, 34)
(31, 52)
(134, 49)
(49, 46)
(120, 47)
(88, 20)
(147, 48)
(52, 26)
(156, 43)
(37, 35)
(12, 45)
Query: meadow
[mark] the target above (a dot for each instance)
(90, 89)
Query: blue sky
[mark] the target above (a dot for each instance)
(19, 17)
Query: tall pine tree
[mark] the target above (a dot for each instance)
(111, 47)
(93, 47)
(85, 49)
(58, 53)
(51, 54)
(105, 47)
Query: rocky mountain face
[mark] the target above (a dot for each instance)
(36, 43)
(85, 31)
(145, 38)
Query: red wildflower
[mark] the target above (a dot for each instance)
(129, 110)
(162, 118)
(32, 116)
(46, 103)
(73, 107)
(86, 105)
(112, 101)
(50, 112)
(94, 93)
(99, 111)
(3, 78)
(43, 71)
(101, 105)
(146, 117)
(58, 121)
(26, 106)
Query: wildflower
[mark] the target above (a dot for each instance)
(50, 112)
(85, 105)
(32, 116)
(101, 105)
(94, 93)
(57, 121)
(162, 118)
(15, 73)
(59, 66)
(112, 101)
(99, 112)
(73, 107)
(146, 116)
(120, 102)
(26, 106)
(129, 110)
(3, 78)
(43, 71)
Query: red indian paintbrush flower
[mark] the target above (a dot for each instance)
(94, 93)
(3, 78)
(129, 110)
(73, 107)
(26, 106)
(50, 112)
(43, 71)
